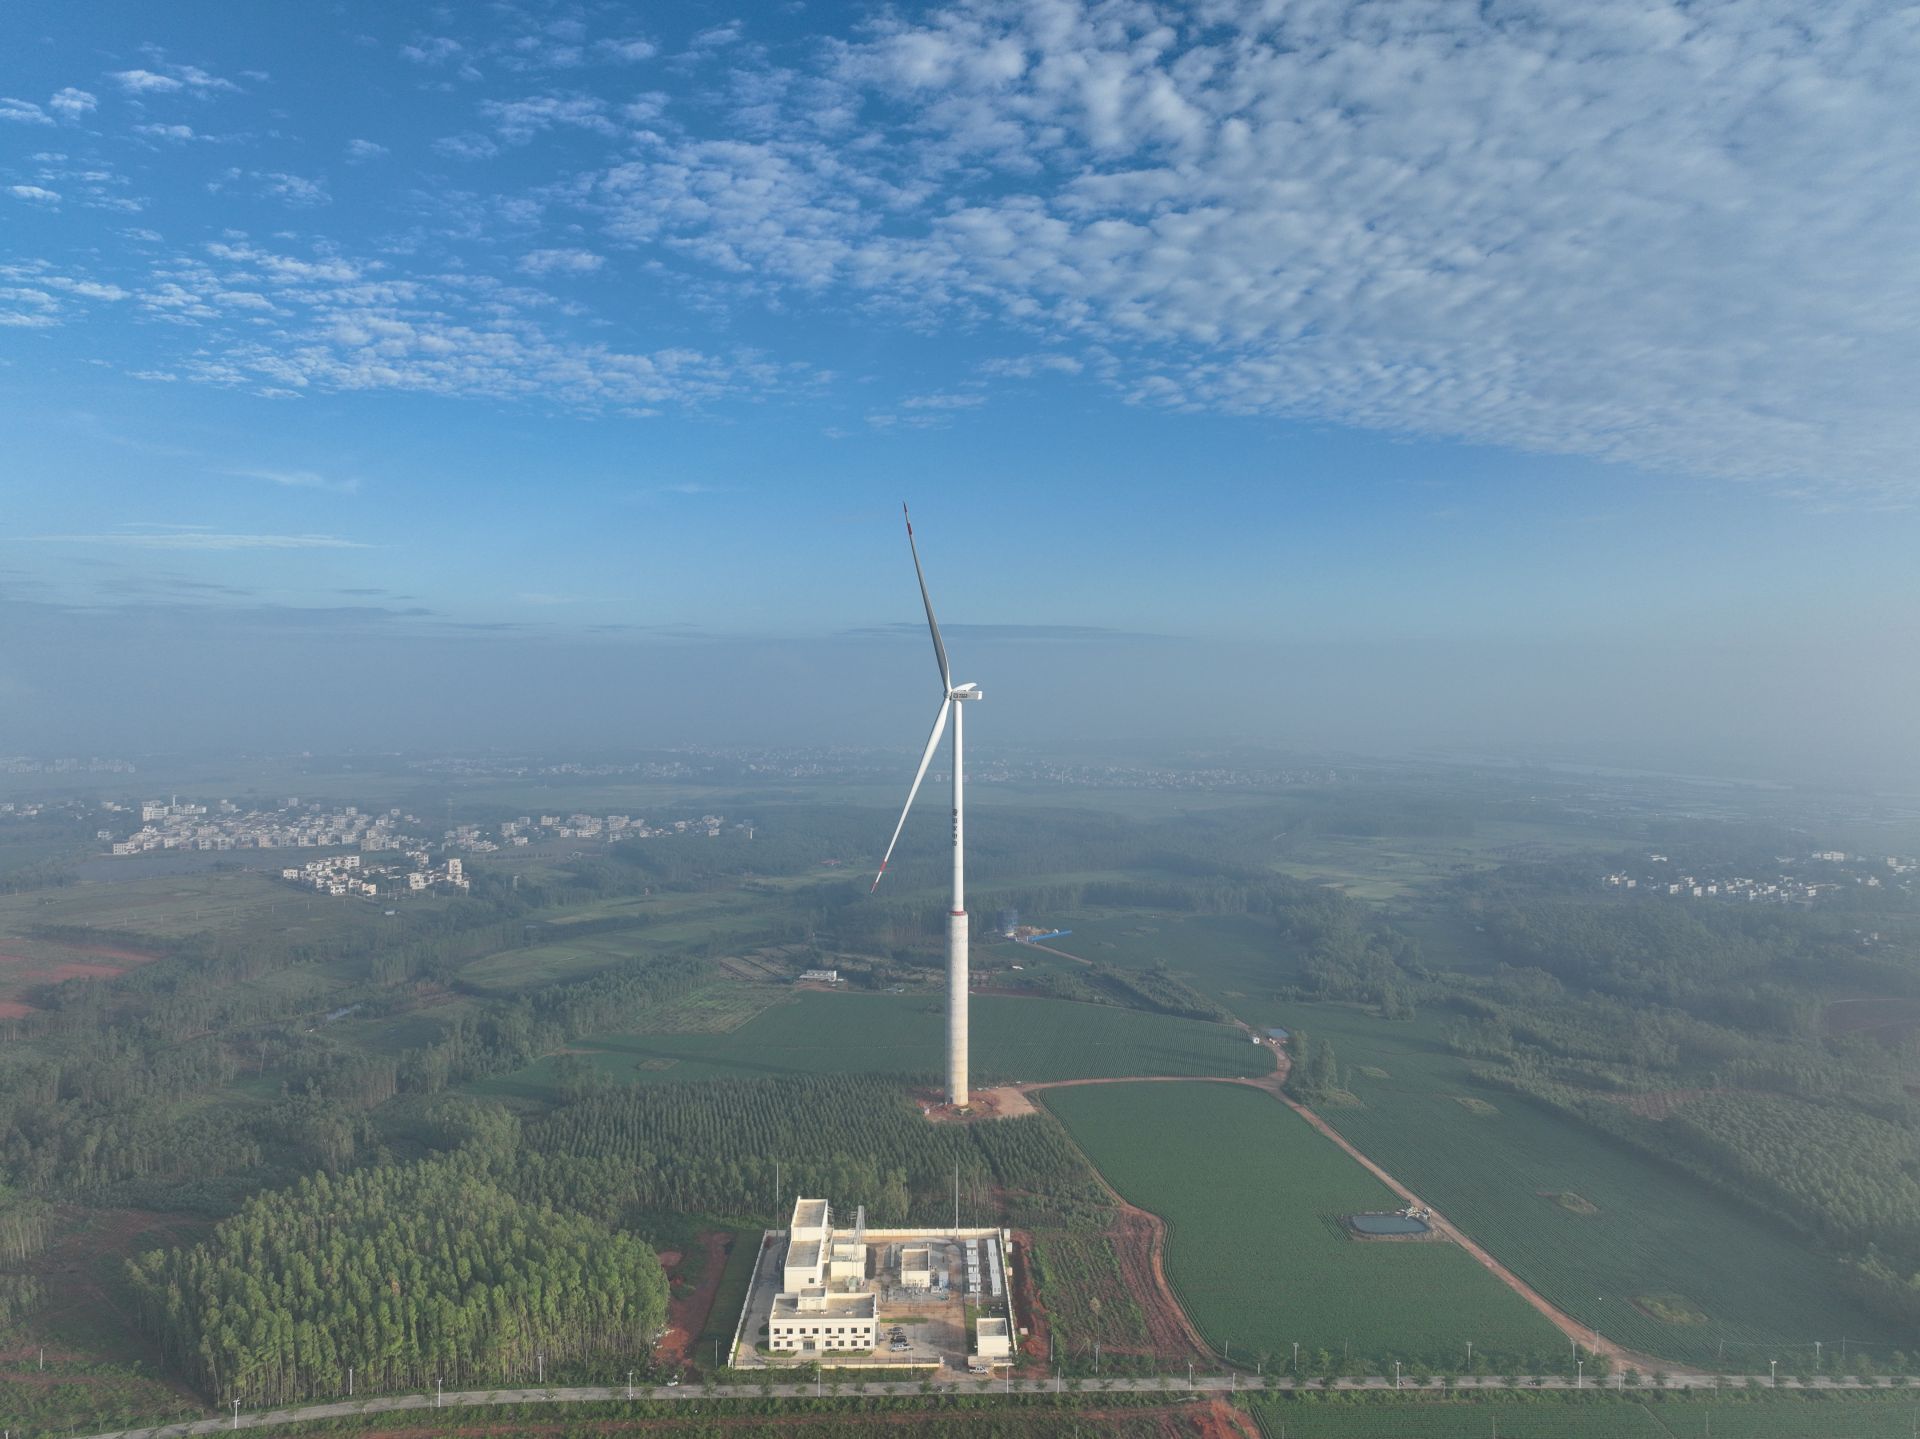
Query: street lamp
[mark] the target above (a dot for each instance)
(1773, 1373)
(1579, 1372)
(236, 1411)
(540, 1360)
(436, 1391)
(1396, 1374)
(629, 1384)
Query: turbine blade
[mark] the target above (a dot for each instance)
(933, 743)
(939, 646)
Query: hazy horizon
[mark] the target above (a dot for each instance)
(1345, 377)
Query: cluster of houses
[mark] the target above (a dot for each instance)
(1782, 888)
(176, 825)
(344, 874)
(478, 839)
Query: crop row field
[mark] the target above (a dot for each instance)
(1252, 1198)
(675, 923)
(1651, 1258)
(1086, 1294)
(1768, 1418)
(841, 1033)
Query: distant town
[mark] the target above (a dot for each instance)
(1801, 880)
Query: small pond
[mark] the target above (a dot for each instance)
(1387, 1224)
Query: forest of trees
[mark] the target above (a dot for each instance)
(1720, 1008)
(408, 1273)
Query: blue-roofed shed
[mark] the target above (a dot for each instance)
(1279, 1034)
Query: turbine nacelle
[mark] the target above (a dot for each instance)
(964, 692)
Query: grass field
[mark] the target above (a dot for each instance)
(1252, 1199)
(210, 901)
(1650, 1233)
(1137, 939)
(1790, 1418)
(1234, 959)
(1031, 1039)
(677, 921)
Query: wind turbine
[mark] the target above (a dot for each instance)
(952, 697)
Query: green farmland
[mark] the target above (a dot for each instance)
(1210, 944)
(1252, 1198)
(819, 1033)
(1644, 1231)
(1688, 1418)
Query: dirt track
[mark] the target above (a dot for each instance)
(687, 1316)
(1273, 1084)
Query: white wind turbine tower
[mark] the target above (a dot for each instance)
(952, 697)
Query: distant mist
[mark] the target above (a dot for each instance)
(1825, 708)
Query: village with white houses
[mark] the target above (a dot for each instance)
(176, 825)
(1817, 875)
(480, 839)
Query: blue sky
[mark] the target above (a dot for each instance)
(1240, 324)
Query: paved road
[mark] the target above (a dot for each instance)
(1200, 1384)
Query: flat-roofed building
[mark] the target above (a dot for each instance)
(805, 1267)
(991, 1339)
(815, 1320)
(916, 1266)
(812, 1219)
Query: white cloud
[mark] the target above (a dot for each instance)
(1027, 367)
(36, 193)
(165, 132)
(299, 480)
(717, 36)
(145, 82)
(361, 150)
(433, 50)
(466, 147)
(23, 112)
(71, 103)
(190, 537)
(520, 120)
(283, 325)
(1681, 240)
(627, 51)
(566, 262)
(169, 80)
(294, 190)
(943, 400)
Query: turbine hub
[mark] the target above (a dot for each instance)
(964, 692)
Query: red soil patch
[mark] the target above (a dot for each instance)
(1217, 1419)
(1887, 1019)
(13, 1009)
(1140, 1244)
(127, 957)
(687, 1314)
(79, 969)
(100, 962)
(1028, 1306)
